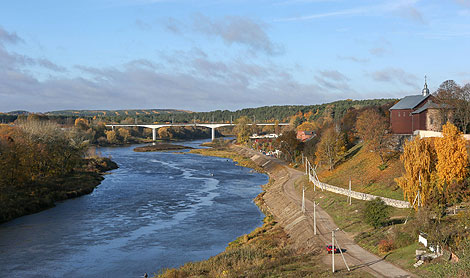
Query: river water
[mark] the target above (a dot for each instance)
(158, 210)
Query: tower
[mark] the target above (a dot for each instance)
(425, 89)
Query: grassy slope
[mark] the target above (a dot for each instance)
(350, 219)
(362, 166)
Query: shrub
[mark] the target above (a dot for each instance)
(386, 245)
(403, 239)
(376, 213)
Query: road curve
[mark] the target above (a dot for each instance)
(291, 215)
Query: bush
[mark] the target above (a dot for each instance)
(376, 213)
(386, 245)
(403, 239)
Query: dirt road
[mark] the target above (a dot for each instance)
(284, 202)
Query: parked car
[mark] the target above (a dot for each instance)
(329, 249)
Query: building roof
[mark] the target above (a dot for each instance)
(409, 102)
(430, 104)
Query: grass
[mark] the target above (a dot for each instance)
(363, 167)
(350, 219)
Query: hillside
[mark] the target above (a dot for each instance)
(105, 113)
(336, 110)
(362, 166)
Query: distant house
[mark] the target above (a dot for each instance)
(416, 112)
(305, 135)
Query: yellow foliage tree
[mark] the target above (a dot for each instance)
(307, 126)
(81, 123)
(111, 136)
(419, 159)
(242, 129)
(124, 133)
(452, 157)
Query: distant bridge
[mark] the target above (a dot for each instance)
(212, 126)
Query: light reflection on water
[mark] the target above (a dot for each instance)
(157, 210)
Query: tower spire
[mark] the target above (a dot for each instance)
(425, 89)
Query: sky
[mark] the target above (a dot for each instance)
(233, 54)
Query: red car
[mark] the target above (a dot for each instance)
(329, 249)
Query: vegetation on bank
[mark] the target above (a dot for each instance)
(220, 148)
(160, 147)
(41, 163)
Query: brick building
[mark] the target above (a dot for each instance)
(416, 112)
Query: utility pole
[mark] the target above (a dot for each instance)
(420, 186)
(333, 250)
(349, 195)
(306, 164)
(314, 217)
(303, 199)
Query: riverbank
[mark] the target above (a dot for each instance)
(161, 147)
(35, 197)
(280, 248)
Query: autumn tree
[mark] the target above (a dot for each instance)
(307, 126)
(452, 157)
(288, 144)
(164, 132)
(330, 147)
(111, 136)
(124, 134)
(419, 158)
(448, 95)
(81, 124)
(372, 127)
(456, 102)
(242, 129)
(277, 130)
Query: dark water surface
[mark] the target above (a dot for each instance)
(158, 210)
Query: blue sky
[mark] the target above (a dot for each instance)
(207, 55)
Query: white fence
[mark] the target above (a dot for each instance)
(428, 133)
(312, 176)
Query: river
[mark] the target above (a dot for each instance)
(158, 210)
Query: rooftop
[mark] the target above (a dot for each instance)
(409, 102)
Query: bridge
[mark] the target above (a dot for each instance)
(212, 126)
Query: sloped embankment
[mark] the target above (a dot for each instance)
(285, 211)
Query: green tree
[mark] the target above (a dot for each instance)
(376, 213)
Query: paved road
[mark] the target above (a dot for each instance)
(356, 257)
